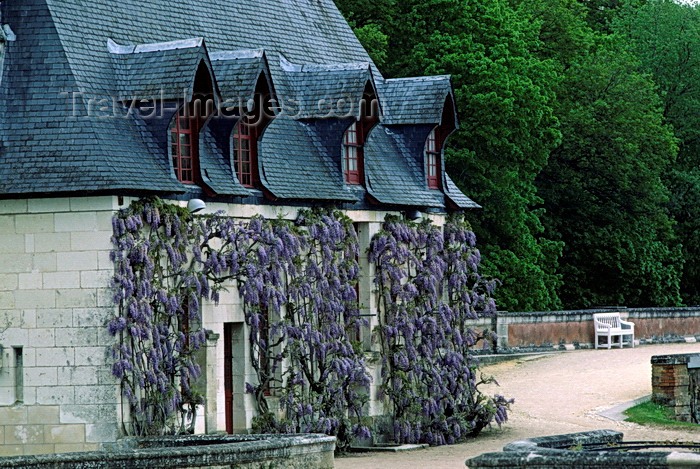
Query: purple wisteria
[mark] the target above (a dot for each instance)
(157, 289)
(428, 287)
(297, 285)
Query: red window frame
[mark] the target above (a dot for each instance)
(185, 145)
(432, 159)
(245, 138)
(352, 154)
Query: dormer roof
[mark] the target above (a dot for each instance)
(237, 73)
(162, 70)
(419, 100)
(321, 91)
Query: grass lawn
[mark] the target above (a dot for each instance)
(651, 413)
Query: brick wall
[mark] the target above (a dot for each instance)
(670, 384)
(56, 390)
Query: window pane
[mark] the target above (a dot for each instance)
(185, 151)
(184, 139)
(184, 123)
(186, 163)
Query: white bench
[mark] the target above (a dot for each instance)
(610, 325)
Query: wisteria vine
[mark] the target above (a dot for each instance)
(429, 287)
(158, 289)
(297, 286)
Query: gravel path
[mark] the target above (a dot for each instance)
(561, 393)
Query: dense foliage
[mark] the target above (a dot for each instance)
(666, 38)
(603, 188)
(578, 137)
(428, 288)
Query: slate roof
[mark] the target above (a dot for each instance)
(417, 100)
(65, 129)
(215, 164)
(237, 73)
(44, 147)
(456, 196)
(392, 172)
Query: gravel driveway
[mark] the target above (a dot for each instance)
(560, 393)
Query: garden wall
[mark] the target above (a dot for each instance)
(674, 382)
(570, 329)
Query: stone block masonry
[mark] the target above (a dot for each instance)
(53, 277)
(672, 384)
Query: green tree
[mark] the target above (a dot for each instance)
(504, 96)
(666, 37)
(600, 14)
(603, 193)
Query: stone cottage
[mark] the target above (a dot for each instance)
(254, 107)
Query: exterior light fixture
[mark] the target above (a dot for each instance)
(196, 205)
(413, 215)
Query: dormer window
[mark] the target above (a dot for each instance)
(432, 160)
(352, 149)
(185, 127)
(253, 119)
(355, 136)
(245, 137)
(184, 133)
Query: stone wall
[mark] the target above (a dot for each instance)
(570, 451)
(569, 329)
(56, 391)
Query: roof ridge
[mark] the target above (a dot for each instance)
(189, 43)
(236, 54)
(423, 78)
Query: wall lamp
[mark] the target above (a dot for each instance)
(413, 215)
(196, 205)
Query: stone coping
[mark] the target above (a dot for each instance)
(559, 451)
(673, 359)
(193, 451)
